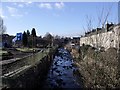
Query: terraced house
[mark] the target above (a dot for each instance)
(103, 37)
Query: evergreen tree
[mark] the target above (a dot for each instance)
(25, 39)
(33, 32)
(28, 33)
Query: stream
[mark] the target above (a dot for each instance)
(61, 73)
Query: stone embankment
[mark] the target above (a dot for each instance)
(27, 71)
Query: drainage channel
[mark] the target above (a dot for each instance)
(61, 74)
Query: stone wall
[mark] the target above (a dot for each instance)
(23, 61)
(27, 72)
(107, 39)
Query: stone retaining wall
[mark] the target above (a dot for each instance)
(27, 72)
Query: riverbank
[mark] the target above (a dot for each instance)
(99, 69)
(29, 71)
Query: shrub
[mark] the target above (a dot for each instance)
(99, 69)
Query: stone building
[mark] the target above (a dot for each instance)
(104, 37)
(75, 40)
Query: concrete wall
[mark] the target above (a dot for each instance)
(27, 72)
(106, 40)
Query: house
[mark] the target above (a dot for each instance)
(7, 40)
(75, 40)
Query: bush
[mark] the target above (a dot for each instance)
(99, 69)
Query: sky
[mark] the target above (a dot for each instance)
(57, 18)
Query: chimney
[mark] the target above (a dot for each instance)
(107, 26)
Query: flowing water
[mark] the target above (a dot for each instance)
(61, 74)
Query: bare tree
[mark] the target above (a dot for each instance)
(100, 18)
(106, 16)
(2, 26)
(103, 16)
(89, 23)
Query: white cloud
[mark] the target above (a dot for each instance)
(28, 3)
(45, 5)
(1, 13)
(21, 5)
(13, 12)
(59, 5)
(3, 16)
(17, 15)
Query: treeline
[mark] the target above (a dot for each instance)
(26, 37)
(32, 40)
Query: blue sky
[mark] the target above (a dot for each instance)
(58, 18)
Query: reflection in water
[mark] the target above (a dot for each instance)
(61, 72)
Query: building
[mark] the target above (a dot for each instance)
(105, 37)
(75, 40)
(7, 40)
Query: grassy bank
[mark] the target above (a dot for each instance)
(98, 68)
